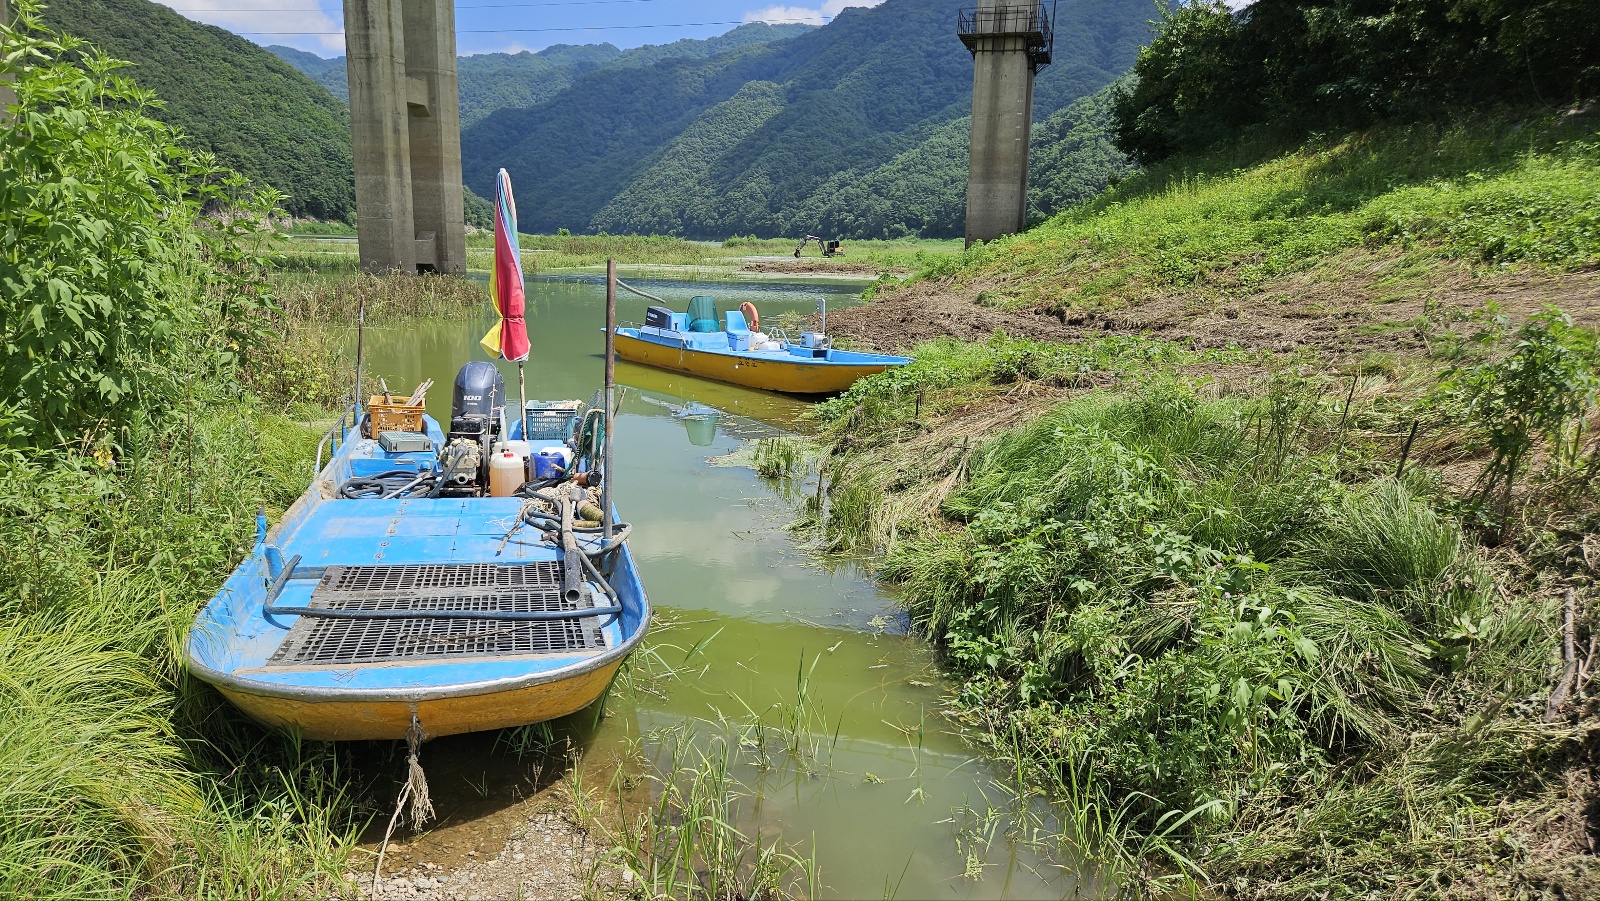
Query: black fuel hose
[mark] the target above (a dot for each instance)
(396, 483)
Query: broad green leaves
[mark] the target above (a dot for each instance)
(123, 255)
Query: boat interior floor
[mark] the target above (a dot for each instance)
(416, 590)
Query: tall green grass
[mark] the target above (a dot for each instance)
(120, 776)
(1215, 624)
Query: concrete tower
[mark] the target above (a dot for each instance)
(405, 126)
(1010, 44)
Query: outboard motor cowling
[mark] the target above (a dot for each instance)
(658, 317)
(480, 391)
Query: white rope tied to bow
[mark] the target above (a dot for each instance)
(414, 790)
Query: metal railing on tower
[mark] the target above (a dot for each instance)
(1032, 22)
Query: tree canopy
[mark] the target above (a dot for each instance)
(1297, 67)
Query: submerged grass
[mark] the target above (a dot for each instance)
(1188, 596)
(675, 815)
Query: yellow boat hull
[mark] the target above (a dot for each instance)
(788, 376)
(325, 719)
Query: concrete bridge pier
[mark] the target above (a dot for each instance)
(1010, 44)
(405, 126)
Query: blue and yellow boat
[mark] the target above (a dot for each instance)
(731, 348)
(411, 585)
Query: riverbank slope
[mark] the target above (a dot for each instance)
(1251, 501)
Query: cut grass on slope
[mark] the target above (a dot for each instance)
(1488, 194)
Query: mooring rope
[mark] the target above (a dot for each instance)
(414, 790)
(632, 290)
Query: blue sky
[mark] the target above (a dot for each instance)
(487, 26)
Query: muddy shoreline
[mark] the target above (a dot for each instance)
(1340, 319)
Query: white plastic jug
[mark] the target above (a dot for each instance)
(505, 473)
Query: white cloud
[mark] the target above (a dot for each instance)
(266, 17)
(805, 15)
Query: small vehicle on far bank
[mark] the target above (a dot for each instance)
(829, 248)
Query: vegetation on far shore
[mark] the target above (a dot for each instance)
(562, 252)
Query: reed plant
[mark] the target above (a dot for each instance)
(688, 842)
(676, 812)
(335, 299)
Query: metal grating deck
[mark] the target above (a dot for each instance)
(482, 587)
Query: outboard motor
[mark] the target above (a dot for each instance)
(480, 392)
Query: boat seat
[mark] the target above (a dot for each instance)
(739, 335)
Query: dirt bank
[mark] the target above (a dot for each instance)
(819, 266)
(1358, 312)
(505, 829)
(542, 858)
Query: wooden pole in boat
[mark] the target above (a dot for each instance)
(361, 328)
(611, 393)
(522, 394)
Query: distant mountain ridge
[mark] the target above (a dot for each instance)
(494, 81)
(794, 136)
(854, 129)
(258, 114)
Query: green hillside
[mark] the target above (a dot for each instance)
(495, 81)
(329, 73)
(255, 112)
(875, 88)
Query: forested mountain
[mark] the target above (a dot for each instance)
(493, 81)
(852, 129)
(258, 114)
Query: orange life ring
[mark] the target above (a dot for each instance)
(751, 317)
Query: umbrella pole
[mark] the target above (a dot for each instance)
(522, 395)
(611, 392)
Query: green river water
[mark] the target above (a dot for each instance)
(894, 801)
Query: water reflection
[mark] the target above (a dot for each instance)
(890, 794)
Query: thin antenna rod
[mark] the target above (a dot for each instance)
(611, 393)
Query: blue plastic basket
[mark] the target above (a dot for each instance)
(550, 421)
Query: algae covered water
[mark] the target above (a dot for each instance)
(884, 793)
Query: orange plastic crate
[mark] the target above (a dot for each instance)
(392, 416)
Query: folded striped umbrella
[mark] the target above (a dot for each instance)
(508, 339)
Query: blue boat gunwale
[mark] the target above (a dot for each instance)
(837, 357)
(250, 571)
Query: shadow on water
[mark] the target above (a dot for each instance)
(802, 673)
